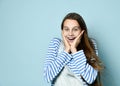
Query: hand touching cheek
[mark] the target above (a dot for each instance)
(76, 41)
(66, 44)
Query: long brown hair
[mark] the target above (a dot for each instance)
(87, 45)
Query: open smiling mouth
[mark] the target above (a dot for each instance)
(71, 39)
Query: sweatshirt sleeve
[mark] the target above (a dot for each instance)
(95, 46)
(82, 68)
(54, 61)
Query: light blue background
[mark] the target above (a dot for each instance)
(27, 26)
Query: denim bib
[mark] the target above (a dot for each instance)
(67, 77)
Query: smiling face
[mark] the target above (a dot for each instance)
(71, 29)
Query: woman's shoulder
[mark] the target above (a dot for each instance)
(95, 45)
(93, 41)
(56, 40)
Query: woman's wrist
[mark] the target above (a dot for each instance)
(67, 50)
(73, 50)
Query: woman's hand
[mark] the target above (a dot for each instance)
(72, 47)
(75, 43)
(67, 45)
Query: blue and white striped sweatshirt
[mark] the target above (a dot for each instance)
(77, 62)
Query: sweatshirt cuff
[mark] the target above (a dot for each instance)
(66, 56)
(80, 53)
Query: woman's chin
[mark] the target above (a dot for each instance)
(71, 41)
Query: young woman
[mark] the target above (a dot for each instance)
(73, 61)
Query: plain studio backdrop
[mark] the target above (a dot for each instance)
(27, 26)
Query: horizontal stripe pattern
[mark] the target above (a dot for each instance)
(54, 63)
(77, 62)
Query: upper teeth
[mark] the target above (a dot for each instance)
(71, 38)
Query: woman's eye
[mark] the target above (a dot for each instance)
(65, 29)
(76, 29)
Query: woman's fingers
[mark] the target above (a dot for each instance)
(67, 46)
(80, 35)
(64, 39)
(77, 40)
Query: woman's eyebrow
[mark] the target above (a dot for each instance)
(65, 27)
(76, 27)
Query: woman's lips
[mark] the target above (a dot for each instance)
(70, 39)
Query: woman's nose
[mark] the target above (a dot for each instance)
(70, 32)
